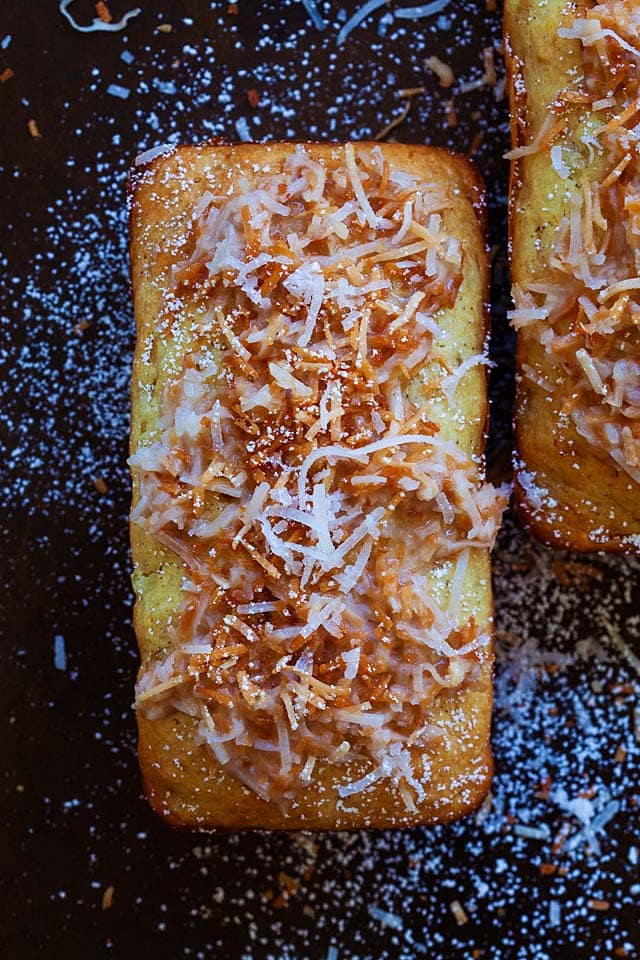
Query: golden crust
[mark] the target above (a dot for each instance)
(182, 783)
(568, 494)
(184, 786)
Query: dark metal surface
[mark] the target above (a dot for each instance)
(565, 731)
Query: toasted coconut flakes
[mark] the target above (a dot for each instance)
(621, 286)
(459, 913)
(395, 122)
(356, 183)
(442, 70)
(548, 125)
(600, 905)
(285, 379)
(107, 897)
(101, 485)
(283, 511)
(603, 104)
(160, 689)
(451, 113)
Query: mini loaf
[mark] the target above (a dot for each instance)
(575, 258)
(310, 524)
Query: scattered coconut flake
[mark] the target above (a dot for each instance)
(386, 918)
(314, 14)
(107, 897)
(357, 18)
(532, 833)
(459, 913)
(59, 653)
(117, 90)
(442, 70)
(243, 131)
(97, 23)
(422, 10)
(148, 155)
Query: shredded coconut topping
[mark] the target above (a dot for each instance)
(586, 310)
(307, 495)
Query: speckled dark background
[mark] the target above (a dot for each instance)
(76, 822)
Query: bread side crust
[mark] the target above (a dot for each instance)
(182, 782)
(568, 494)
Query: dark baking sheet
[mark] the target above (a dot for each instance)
(79, 834)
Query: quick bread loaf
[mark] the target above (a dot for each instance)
(310, 524)
(575, 234)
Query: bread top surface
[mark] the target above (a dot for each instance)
(575, 490)
(182, 779)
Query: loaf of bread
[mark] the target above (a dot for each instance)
(575, 235)
(310, 525)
